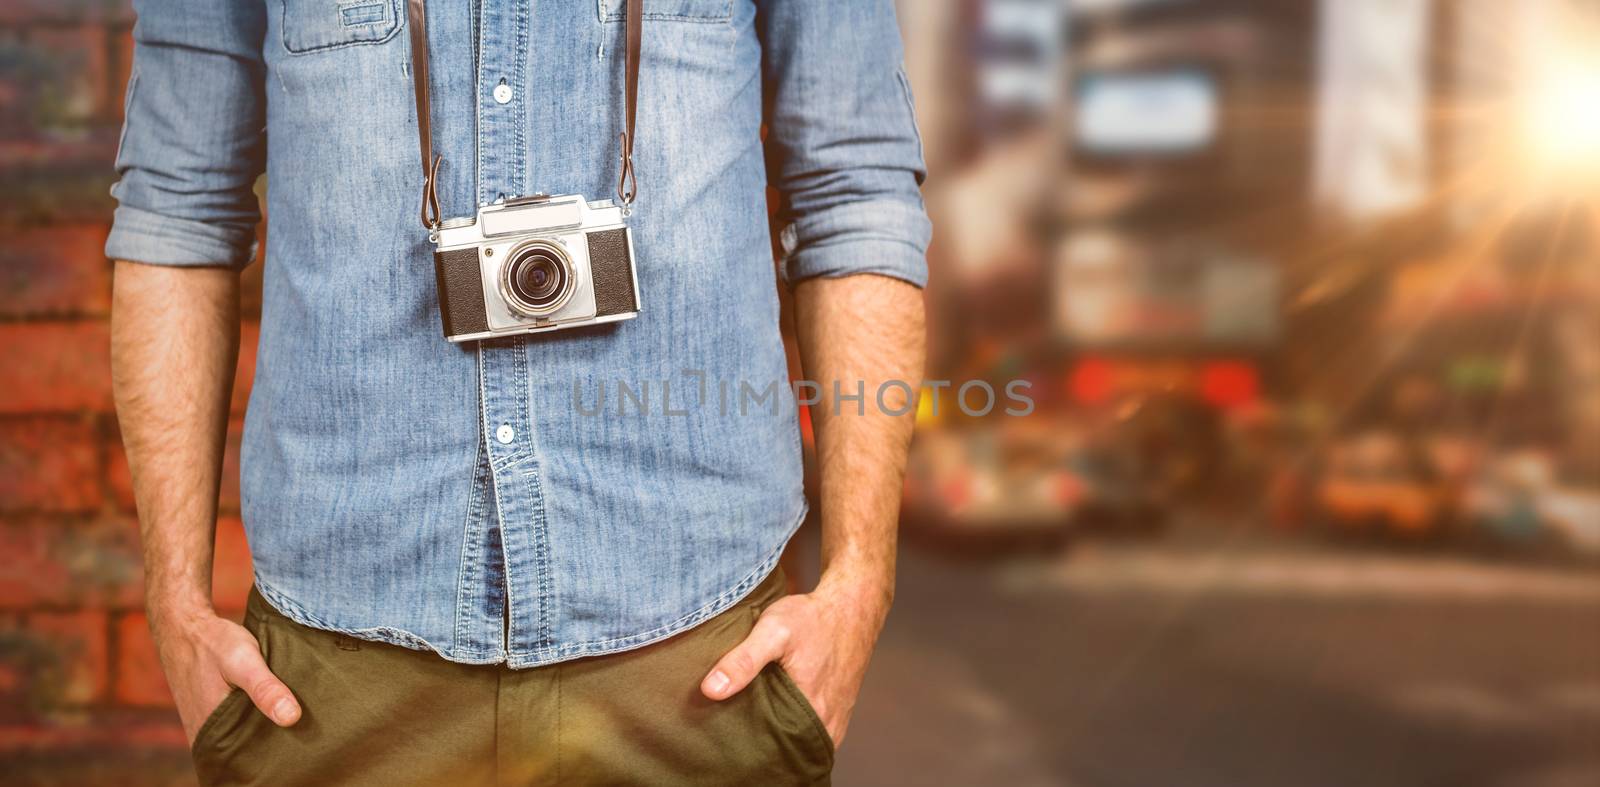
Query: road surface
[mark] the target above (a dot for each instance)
(1212, 661)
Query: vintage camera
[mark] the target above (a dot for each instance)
(534, 264)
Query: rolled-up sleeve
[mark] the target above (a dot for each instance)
(193, 137)
(842, 141)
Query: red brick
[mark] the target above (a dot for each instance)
(245, 374)
(51, 659)
(81, 70)
(23, 12)
(98, 564)
(98, 735)
(55, 271)
(231, 574)
(13, 664)
(139, 680)
(49, 465)
(59, 82)
(21, 654)
(78, 642)
(229, 499)
(120, 479)
(250, 284)
(122, 69)
(55, 367)
(49, 562)
(58, 157)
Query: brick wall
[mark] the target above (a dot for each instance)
(81, 691)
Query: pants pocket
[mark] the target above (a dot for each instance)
(220, 732)
(217, 719)
(801, 713)
(233, 724)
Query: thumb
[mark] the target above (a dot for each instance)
(247, 670)
(766, 643)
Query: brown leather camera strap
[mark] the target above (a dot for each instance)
(417, 21)
(627, 187)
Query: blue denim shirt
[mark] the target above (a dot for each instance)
(543, 498)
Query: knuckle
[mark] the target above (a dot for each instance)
(263, 686)
(235, 663)
(240, 653)
(781, 632)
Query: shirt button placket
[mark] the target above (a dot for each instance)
(507, 420)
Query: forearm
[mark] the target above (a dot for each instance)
(174, 346)
(861, 331)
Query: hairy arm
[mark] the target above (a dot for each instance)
(866, 329)
(843, 151)
(856, 333)
(174, 345)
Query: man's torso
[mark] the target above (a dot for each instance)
(527, 500)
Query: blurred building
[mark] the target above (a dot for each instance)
(1249, 234)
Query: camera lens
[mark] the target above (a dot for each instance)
(538, 278)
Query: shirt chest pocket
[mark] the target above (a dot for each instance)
(678, 10)
(316, 25)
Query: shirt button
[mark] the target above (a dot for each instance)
(502, 93)
(505, 434)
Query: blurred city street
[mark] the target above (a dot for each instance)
(1303, 296)
(1211, 655)
(1205, 658)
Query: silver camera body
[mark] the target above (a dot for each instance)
(535, 264)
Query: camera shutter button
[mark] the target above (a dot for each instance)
(505, 434)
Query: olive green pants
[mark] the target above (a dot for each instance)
(385, 715)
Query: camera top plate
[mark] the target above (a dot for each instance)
(544, 216)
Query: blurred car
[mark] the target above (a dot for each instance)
(1123, 497)
(1380, 483)
(1519, 500)
(1021, 485)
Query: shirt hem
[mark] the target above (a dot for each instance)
(542, 656)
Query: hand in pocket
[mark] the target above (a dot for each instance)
(204, 657)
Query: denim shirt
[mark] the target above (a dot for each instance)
(535, 499)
